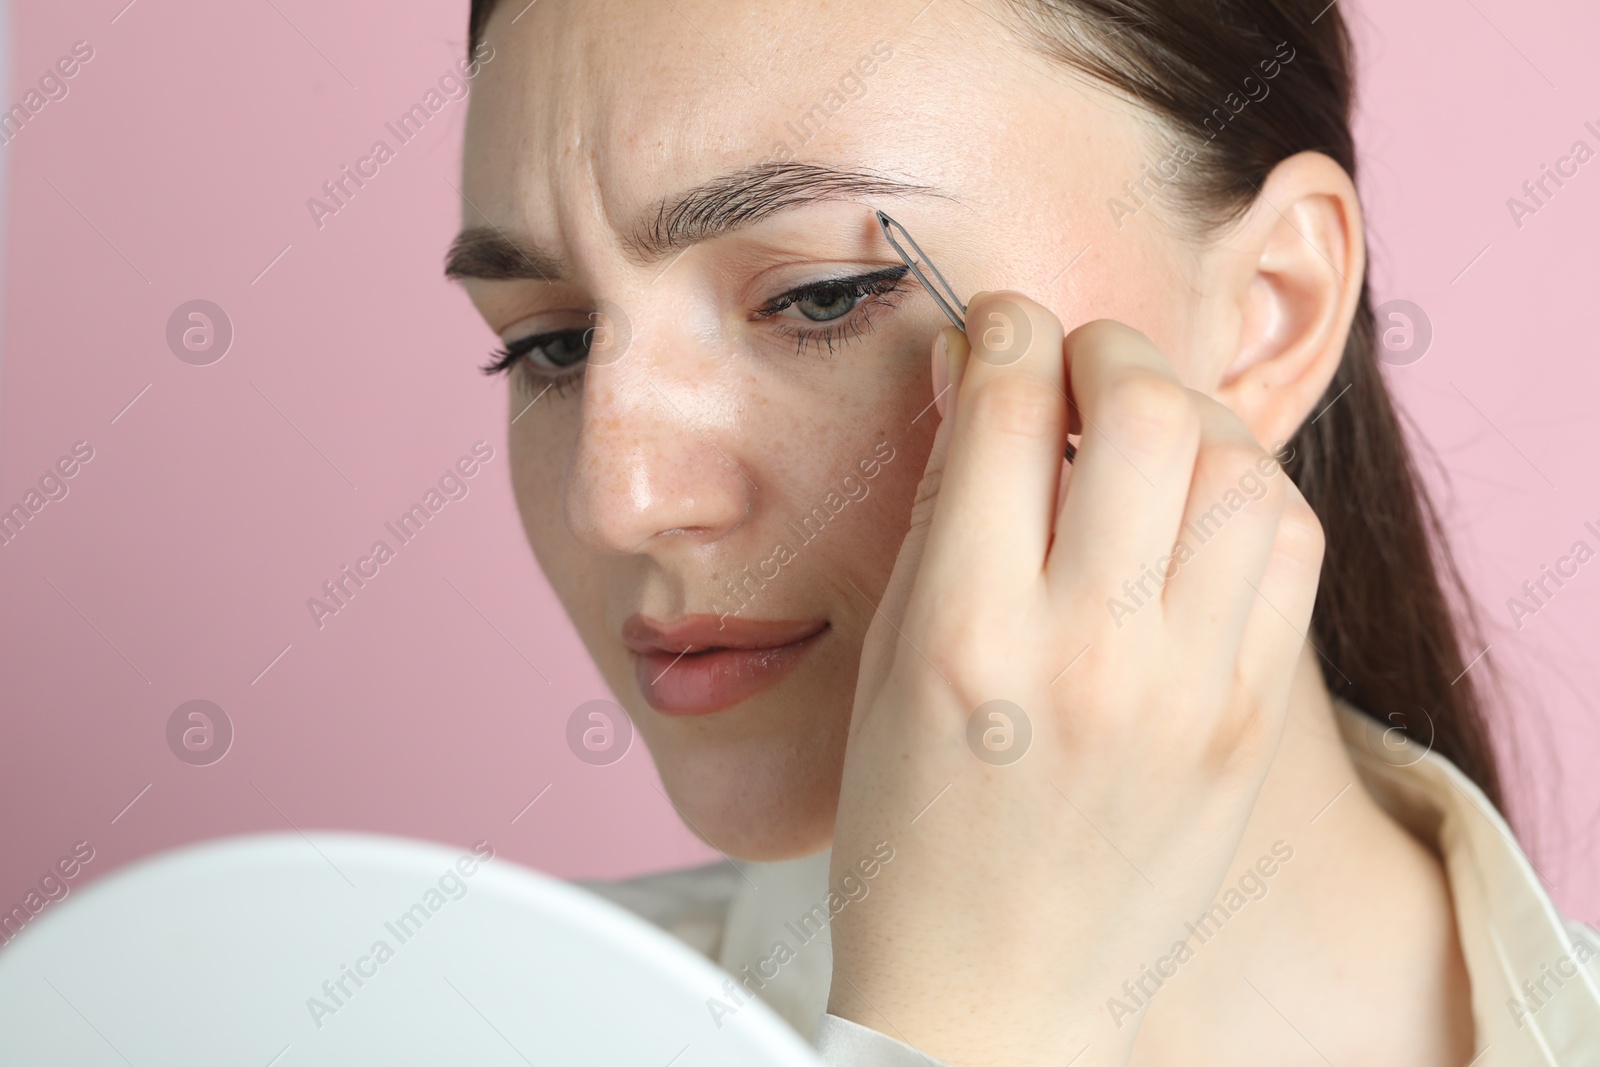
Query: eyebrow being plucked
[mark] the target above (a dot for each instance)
(711, 209)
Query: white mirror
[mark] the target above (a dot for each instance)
(343, 949)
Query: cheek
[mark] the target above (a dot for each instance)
(875, 459)
(1143, 280)
(870, 449)
(539, 451)
(539, 456)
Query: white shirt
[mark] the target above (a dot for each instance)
(1535, 976)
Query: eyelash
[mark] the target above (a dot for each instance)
(881, 284)
(871, 289)
(508, 360)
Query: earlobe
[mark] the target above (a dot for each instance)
(1298, 295)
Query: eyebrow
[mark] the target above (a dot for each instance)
(711, 209)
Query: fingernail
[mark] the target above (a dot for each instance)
(979, 295)
(955, 346)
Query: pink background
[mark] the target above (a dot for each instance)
(183, 555)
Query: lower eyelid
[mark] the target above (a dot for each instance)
(534, 384)
(857, 323)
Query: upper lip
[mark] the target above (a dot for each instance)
(698, 633)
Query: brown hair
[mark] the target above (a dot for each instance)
(1391, 611)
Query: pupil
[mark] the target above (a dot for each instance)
(826, 304)
(566, 349)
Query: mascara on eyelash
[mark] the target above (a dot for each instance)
(882, 284)
(859, 284)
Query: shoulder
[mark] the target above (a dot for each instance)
(1535, 974)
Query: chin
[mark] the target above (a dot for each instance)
(764, 799)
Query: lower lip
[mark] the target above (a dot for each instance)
(706, 682)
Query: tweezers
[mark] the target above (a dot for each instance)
(943, 294)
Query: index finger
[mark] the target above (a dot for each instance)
(997, 499)
(1135, 461)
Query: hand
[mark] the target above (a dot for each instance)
(1022, 895)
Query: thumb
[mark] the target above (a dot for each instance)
(950, 352)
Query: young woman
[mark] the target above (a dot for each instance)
(1170, 754)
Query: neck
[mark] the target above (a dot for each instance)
(1310, 770)
(1353, 907)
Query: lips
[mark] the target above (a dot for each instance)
(700, 664)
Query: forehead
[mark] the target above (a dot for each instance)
(623, 101)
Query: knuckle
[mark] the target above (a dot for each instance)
(1146, 404)
(1100, 334)
(1244, 737)
(963, 647)
(1013, 404)
(1234, 466)
(1038, 315)
(1276, 495)
(1301, 537)
(1232, 458)
(927, 497)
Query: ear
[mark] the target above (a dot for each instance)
(1294, 273)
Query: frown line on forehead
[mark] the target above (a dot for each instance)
(710, 209)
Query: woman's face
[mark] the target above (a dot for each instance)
(737, 453)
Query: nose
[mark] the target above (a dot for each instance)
(662, 452)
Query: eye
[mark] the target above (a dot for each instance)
(550, 352)
(832, 302)
(555, 358)
(827, 303)
(550, 356)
